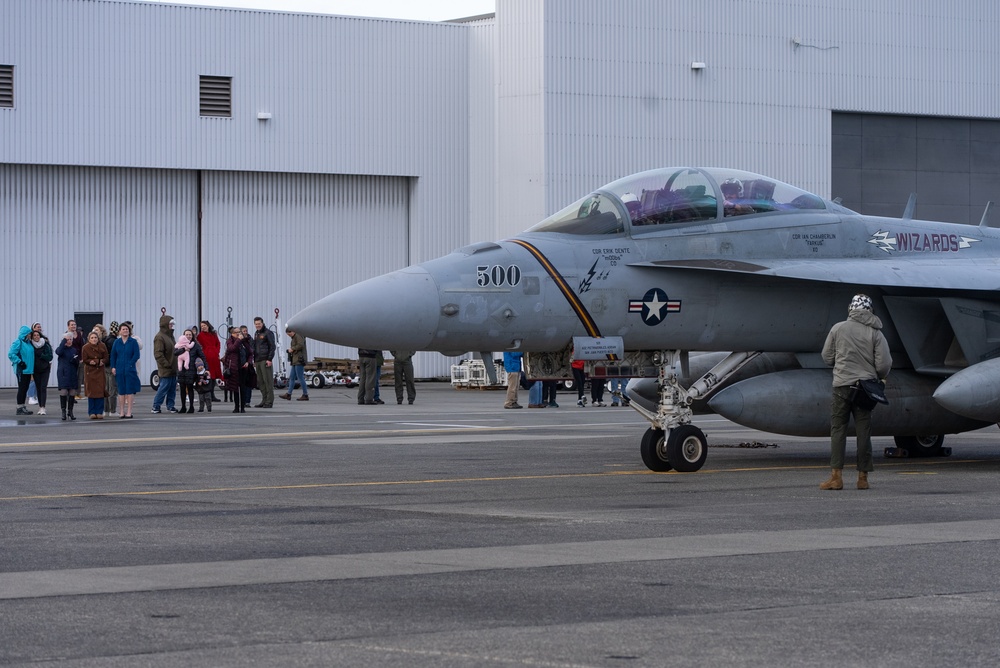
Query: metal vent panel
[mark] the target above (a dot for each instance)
(6, 85)
(216, 96)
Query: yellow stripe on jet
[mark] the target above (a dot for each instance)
(571, 297)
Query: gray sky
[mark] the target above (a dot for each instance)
(422, 10)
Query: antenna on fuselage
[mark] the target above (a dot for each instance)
(911, 206)
(985, 222)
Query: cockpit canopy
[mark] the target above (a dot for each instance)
(678, 195)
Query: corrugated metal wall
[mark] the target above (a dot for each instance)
(609, 89)
(117, 241)
(482, 132)
(287, 240)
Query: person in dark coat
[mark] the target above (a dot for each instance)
(43, 365)
(93, 359)
(234, 364)
(188, 352)
(78, 343)
(111, 387)
(249, 376)
(124, 360)
(67, 374)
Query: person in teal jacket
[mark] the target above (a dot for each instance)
(22, 358)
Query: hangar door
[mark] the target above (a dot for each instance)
(273, 240)
(953, 164)
(113, 243)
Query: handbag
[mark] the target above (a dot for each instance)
(869, 393)
(525, 383)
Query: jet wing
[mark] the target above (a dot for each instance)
(934, 273)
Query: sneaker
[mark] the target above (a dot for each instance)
(514, 406)
(173, 410)
(156, 410)
(41, 411)
(33, 401)
(21, 410)
(581, 403)
(553, 404)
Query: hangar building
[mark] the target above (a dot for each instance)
(199, 160)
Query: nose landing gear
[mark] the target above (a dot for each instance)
(672, 442)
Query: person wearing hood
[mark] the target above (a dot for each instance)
(22, 358)
(857, 350)
(166, 365)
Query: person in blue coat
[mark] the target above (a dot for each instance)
(67, 373)
(124, 357)
(22, 358)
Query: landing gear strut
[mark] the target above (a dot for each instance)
(672, 442)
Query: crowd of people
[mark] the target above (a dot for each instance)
(103, 366)
(542, 394)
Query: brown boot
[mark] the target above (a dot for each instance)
(862, 480)
(836, 480)
(304, 397)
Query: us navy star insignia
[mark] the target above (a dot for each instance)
(654, 306)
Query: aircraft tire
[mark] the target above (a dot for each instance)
(653, 451)
(687, 448)
(920, 446)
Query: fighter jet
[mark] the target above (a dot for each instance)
(638, 274)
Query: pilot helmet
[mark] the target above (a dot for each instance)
(731, 188)
(861, 302)
(631, 203)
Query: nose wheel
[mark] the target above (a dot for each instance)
(683, 448)
(654, 451)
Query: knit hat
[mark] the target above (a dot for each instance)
(861, 302)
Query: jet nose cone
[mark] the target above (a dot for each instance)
(397, 311)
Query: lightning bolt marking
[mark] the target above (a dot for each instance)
(883, 242)
(585, 283)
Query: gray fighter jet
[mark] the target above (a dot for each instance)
(637, 274)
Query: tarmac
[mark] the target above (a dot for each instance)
(452, 532)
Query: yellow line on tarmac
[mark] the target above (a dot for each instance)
(246, 437)
(369, 483)
(444, 481)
